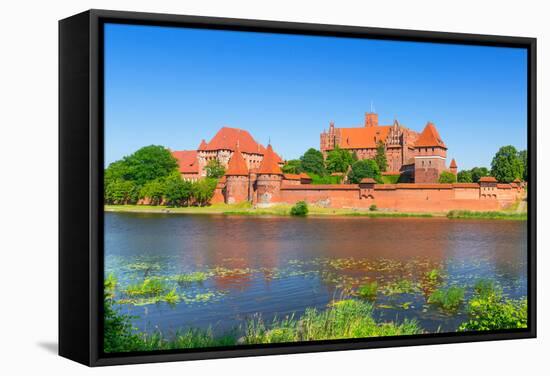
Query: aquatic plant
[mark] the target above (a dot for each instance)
(342, 319)
(149, 286)
(368, 290)
(109, 285)
(146, 266)
(489, 310)
(300, 209)
(448, 299)
(192, 277)
(401, 286)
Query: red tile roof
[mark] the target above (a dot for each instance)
(487, 179)
(269, 163)
(303, 175)
(292, 176)
(430, 137)
(232, 138)
(187, 161)
(453, 164)
(237, 165)
(363, 138)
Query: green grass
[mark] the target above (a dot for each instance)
(448, 299)
(343, 319)
(327, 179)
(375, 214)
(149, 287)
(368, 291)
(467, 214)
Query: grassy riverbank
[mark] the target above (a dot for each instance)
(247, 209)
(284, 210)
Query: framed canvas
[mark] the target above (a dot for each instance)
(235, 187)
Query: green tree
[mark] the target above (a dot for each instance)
(149, 163)
(339, 160)
(478, 172)
(292, 166)
(447, 177)
(313, 161)
(214, 169)
(523, 159)
(121, 192)
(464, 176)
(507, 165)
(177, 192)
(203, 190)
(366, 168)
(154, 191)
(300, 209)
(380, 157)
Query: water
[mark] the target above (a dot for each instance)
(281, 265)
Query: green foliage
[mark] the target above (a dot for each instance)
(464, 176)
(149, 287)
(343, 319)
(448, 299)
(327, 179)
(192, 277)
(299, 209)
(214, 169)
(154, 190)
(507, 165)
(339, 160)
(177, 192)
(203, 190)
(489, 310)
(390, 179)
(380, 157)
(368, 291)
(121, 192)
(447, 177)
(401, 286)
(313, 161)
(373, 207)
(366, 168)
(523, 158)
(478, 172)
(292, 166)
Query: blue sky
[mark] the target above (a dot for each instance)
(175, 86)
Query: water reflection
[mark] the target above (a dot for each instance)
(277, 266)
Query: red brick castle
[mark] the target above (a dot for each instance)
(417, 157)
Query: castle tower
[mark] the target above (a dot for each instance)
(453, 167)
(269, 179)
(430, 154)
(236, 187)
(371, 119)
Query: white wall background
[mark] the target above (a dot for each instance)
(28, 188)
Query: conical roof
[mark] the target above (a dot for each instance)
(203, 145)
(453, 164)
(269, 163)
(430, 137)
(237, 165)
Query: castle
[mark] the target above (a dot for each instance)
(253, 172)
(416, 157)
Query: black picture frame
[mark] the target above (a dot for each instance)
(81, 190)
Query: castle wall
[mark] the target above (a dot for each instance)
(400, 197)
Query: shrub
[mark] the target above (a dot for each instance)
(368, 291)
(373, 207)
(299, 209)
(447, 177)
(490, 313)
(448, 299)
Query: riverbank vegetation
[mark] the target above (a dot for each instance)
(466, 214)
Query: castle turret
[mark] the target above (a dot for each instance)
(269, 179)
(371, 119)
(453, 167)
(430, 154)
(236, 187)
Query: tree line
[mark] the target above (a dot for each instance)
(507, 165)
(152, 173)
(340, 161)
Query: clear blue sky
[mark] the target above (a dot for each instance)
(175, 86)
